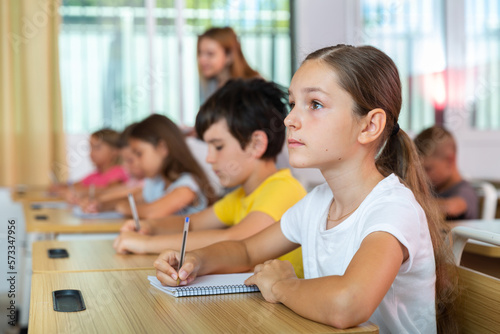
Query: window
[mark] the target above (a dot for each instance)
(121, 60)
(482, 31)
(412, 34)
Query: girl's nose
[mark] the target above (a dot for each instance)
(291, 121)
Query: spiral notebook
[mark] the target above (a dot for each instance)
(208, 285)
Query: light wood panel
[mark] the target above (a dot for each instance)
(482, 249)
(479, 304)
(86, 255)
(125, 302)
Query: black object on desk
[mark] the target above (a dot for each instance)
(57, 253)
(68, 301)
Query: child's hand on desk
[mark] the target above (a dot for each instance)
(131, 242)
(269, 273)
(129, 226)
(166, 268)
(89, 205)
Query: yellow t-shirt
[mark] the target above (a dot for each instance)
(274, 196)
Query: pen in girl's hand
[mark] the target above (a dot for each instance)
(134, 212)
(183, 248)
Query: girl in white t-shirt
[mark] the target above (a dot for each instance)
(370, 236)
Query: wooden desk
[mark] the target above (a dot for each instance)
(125, 302)
(88, 255)
(479, 256)
(63, 221)
(33, 193)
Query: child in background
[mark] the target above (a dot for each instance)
(106, 200)
(175, 183)
(242, 123)
(371, 236)
(105, 155)
(456, 197)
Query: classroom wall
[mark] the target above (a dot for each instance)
(320, 23)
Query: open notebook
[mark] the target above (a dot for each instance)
(77, 212)
(208, 285)
(50, 205)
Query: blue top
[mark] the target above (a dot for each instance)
(154, 189)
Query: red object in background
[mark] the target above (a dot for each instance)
(439, 91)
(435, 90)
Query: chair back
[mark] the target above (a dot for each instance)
(490, 194)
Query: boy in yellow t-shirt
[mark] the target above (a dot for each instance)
(242, 123)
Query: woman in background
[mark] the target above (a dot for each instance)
(220, 58)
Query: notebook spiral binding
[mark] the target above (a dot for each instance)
(214, 290)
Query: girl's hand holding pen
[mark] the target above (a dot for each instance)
(167, 263)
(129, 226)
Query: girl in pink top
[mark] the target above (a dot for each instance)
(106, 200)
(105, 155)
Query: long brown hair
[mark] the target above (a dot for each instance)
(227, 38)
(158, 128)
(372, 80)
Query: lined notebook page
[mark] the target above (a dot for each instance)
(208, 285)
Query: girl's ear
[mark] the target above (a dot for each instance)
(373, 125)
(258, 144)
(162, 148)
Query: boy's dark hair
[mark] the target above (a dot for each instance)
(247, 106)
(124, 135)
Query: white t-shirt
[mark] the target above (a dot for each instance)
(408, 306)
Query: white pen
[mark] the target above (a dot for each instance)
(183, 248)
(134, 212)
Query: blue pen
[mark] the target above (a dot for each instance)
(183, 248)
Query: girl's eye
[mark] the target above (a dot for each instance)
(315, 105)
(218, 148)
(291, 104)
